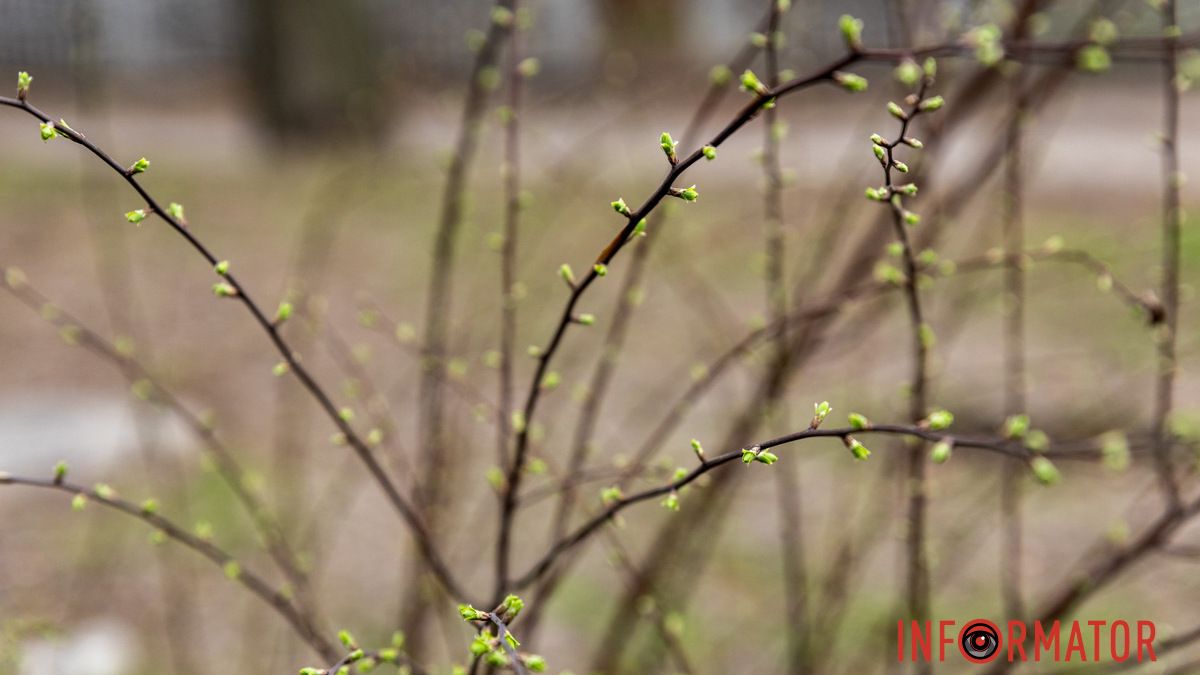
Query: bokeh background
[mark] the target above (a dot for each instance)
(308, 142)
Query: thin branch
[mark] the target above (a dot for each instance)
(1171, 227)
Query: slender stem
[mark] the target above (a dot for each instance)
(1167, 335)
(916, 480)
(1014, 349)
(791, 538)
(508, 261)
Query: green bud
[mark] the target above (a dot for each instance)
(150, 507)
(388, 655)
(680, 474)
(940, 452)
(932, 103)
(689, 194)
(767, 457)
(900, 166)
(1037, 440)
(671, 502)
(104, 491)
(586, 319)
(668, 145)
(930, 67)
(79, 502)
(1103, 31)
(896, 111)
(24, 79)
(912, 218)
(620, 207)
(940, 419)
(284, 312)
(136, 216)
(48, 131)
(851, 29)
(600, 269)
(139, 166)
(567, 275)
(346, 415)
(1016, 426)
(551, 380)
(908, 189)
(926, 335)
(60, 472)
(469, 613)
(175, 211)
(610, 495)
(347, 640)
(857, 449)
(529, 67)
(820, 412)
(878, 140)
(914, 143)
(535, 663)
(1045, 471)
(751, 83)
(222, 268)
(989, 50)
(880, 153)
(720, 75)
(502, 16)
(748, 455)
(223, 290)
(1114, 448)
(495, 477)
(280, 369)
(908, 73)
(1093, 59)
(876, 194)
(850, 81)
(232, 570)
(858, 421)
(758, 40)
(710, 153)
(312, 671)
(698, 449)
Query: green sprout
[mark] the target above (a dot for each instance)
(856, 448)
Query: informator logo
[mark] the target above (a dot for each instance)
(983, 641)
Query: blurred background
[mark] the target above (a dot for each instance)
(309, 144)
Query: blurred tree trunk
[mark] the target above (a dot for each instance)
(313, 68)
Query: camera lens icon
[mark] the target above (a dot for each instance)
(979, 641)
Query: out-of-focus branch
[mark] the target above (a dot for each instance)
(147, 513)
